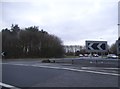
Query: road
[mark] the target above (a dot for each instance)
(35, 74)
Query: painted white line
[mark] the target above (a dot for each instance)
(16, 64)
(99, 68)
(46, 66)
(96, 72)
(87, 68)
(112, 68)
(8, 86)
(109, 71)
(71, 69)
(3, 63)
(21, 64)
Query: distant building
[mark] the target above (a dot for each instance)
(72, 48)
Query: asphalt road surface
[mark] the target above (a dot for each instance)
(36, 74)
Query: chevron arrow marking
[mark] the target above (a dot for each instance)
(99, 46)
(90, 46)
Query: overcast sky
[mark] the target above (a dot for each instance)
(74, 21)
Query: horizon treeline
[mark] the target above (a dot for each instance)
(30, 42)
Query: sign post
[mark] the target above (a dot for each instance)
(118, 47)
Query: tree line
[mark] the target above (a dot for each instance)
(30, 42)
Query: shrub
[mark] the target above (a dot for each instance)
(46, 61)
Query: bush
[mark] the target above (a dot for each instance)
(46, 61)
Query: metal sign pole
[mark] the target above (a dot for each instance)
(91, 55)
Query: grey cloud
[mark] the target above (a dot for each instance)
(71, 20)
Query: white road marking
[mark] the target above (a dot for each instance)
(110, 71)
(112, 68)
(86, 68)
(99, 68)
(8, 86)
(71, 69)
